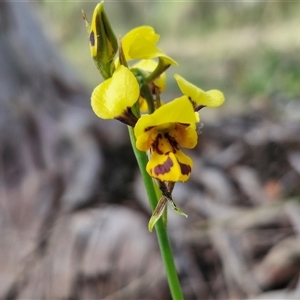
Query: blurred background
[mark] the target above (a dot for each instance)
(247, 49)
(73, 211)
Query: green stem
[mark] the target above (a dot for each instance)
(161, 67)
(145, 91)
(161, 232)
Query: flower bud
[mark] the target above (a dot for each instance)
(103, 42)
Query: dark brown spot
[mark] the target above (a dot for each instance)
(148, 128)
(163, 168)
(127, 117)
(198, 107)
(194, 104)
(172, 142)
(92, 38)
(185, 169)
(155, 144)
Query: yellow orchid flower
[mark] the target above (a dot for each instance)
(198, 97)
(140, 43)
(114, 97)
(170, 127)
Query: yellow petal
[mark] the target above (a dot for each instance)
(145, 140)
(163, 167)
(141, 48)
(112, 97)
(146, 64)
(143, 105)
(140, 43)
(179, 110)
(160, 82)
(185, 135)
(129, 39)
(170, 167)
(212, 98)
(146, 31)
(186, 165)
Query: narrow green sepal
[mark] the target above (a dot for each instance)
(160, 209)
(166, 188)
(157, 213)
(176, 208)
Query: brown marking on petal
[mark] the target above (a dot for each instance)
(127, 117)
(166, 188)
(163, 168)
(185, 169)
(198, 107)
(148, 128)
(164, 69)
(155, 144)
(152, 87)
(172, 142)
